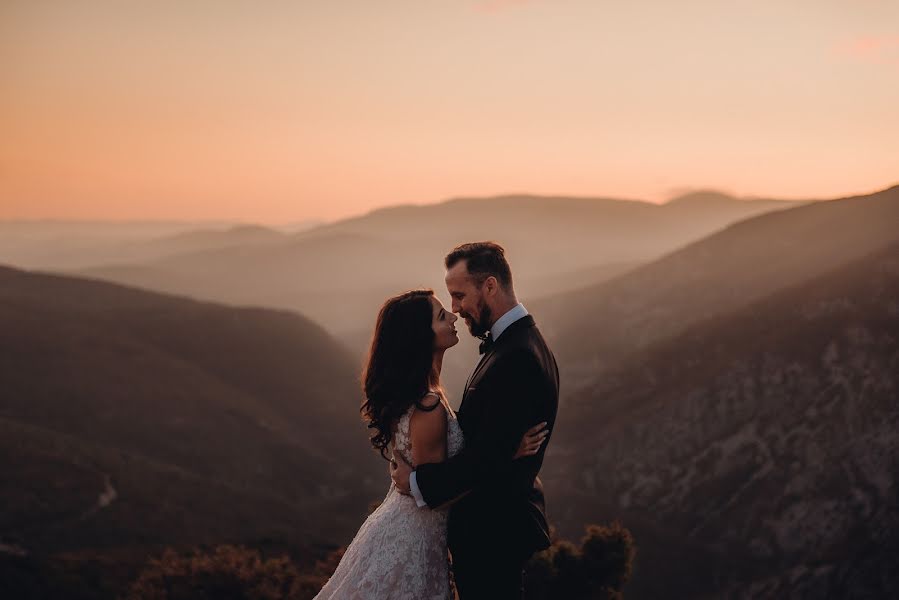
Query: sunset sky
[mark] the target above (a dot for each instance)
(279, 111)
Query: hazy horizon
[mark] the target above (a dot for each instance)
(318, 221)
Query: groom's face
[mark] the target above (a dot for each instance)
(469, 301)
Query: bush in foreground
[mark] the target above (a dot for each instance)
(228, 573)
(598, 569)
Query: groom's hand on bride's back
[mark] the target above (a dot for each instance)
(399, 472)
(532, 441)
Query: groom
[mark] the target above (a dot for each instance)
(500, 520)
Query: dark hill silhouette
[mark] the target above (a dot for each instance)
(596, 326)
(761, 445)
(131, 417)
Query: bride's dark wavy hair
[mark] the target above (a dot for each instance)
(400, 366)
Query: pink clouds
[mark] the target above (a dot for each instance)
(879, 49)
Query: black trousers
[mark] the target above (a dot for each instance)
(480, 574)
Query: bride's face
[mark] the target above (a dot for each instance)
(443, 324)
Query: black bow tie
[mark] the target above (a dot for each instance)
(486, 344)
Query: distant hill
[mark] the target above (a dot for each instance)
(62, 229)
(205, 239)
(761, 445)
(129, 418)
(546, 235)
(597, 326)
(76, 245)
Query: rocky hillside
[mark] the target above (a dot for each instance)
(756, 454)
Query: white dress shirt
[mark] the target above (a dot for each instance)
(516, 312)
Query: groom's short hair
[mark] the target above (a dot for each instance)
(482, 259)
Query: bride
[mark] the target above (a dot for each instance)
(400, 552)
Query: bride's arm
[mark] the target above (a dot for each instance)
(427, 430)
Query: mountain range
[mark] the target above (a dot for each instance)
(729, 385)
(364, 260)
(598, 325)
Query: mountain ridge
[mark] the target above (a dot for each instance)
(727, 433)
(724, 270)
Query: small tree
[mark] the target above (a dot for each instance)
(596, 570)
(608, 555)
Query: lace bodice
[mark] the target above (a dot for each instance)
(400, 551)
(402, 441)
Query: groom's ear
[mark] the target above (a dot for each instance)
(492, 285)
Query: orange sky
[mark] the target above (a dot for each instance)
(275, 112)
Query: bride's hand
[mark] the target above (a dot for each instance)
(400, 471)
(532, 440)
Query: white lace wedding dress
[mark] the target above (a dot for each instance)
(400, 551)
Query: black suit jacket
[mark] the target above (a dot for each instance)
(514, 387)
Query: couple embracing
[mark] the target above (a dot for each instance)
(464, 482)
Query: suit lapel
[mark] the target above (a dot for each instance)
(477, 370)
(522, 322)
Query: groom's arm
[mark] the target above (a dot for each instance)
(511, 408)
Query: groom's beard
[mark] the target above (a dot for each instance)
(478, 328)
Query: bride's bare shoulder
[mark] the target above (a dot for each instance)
(430, 412)
(429, 402)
